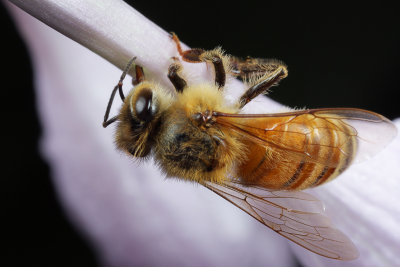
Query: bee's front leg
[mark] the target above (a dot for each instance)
(173, 75)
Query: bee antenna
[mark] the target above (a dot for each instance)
(128, 66)
(118, 87)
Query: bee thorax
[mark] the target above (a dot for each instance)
(192, 148)
(204, 119)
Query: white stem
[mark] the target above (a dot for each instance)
(117, 32)
(110, 28)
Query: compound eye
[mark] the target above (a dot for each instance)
(143, 105)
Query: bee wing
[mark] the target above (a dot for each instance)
(277, 131)
(373, 131)
(293, 214)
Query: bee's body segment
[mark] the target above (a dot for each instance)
(301, 151)
(189, 146)
(196, 136)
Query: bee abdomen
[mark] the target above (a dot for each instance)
(332, 148)
(325, 151)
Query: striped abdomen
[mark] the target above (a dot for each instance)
(295, 152)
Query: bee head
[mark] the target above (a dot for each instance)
(138, 119)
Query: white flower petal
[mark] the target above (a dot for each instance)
(364, 203)
(131, 214)
(128, 211)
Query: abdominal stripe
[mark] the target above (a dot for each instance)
(261, 174)
(350, 149)
(322, 174)
(260, 163)
(295, 175)
(326, 171)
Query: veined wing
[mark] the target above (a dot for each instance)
(292, 214)
(299, 134)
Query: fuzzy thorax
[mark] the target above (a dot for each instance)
(203, 97)
(190, 152)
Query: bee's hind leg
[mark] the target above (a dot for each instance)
(260, 74)
(198, 55)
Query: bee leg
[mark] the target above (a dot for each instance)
(249, 67)
(262, 84)
(217, 58)
(191, 55)
(173, 75)
(139, 75)
(198, 55)
(118, 87)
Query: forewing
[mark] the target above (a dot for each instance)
(373, 131)
(292, 214)
(294, 134)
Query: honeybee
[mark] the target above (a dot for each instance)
(258, 162)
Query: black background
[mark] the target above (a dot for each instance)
(338, 56)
